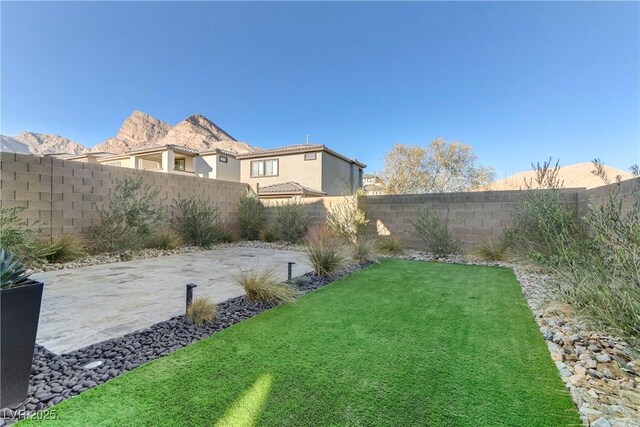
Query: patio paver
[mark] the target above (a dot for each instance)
(86, 305)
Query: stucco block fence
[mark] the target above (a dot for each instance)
(62, 195)
(472, 216)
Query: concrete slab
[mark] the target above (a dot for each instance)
(83, 306)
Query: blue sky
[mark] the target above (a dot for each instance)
(518, 81)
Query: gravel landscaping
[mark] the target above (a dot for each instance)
(55, 378)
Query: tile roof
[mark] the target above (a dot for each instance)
(289, 187)
(162, 147)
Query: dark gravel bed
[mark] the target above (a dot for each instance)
(55, 378)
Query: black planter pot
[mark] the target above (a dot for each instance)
(19, 325)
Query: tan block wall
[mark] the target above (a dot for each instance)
(597, 196)
(61, 195)
(473, 217)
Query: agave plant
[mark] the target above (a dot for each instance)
(12, 272)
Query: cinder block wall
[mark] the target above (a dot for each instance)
(597, 196)
(61, 195)
(473, 216)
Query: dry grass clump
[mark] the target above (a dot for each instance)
(324, 251)
(262, 285)
(201, 310)
(364, 249)
(391, 245)
(267, 235)
(493, 251)
(67, 247)
(166, 239)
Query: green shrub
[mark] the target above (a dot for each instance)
(598, 259)
(201, 311)
(602, 274)
(325, 253)
(251, 216)
(262, 285)
(12, 272)
(435, 233)
(494, 251)
(291, 222)
(66, 248)
(391, 245)
(349, 219)
(129, 216)
(198, 222)
(20, 239)
(364, 249)
(165, 239)
(545, 227)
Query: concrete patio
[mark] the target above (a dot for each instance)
(87, 305)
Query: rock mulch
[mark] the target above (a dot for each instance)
(107, 258)
(55, 378)
(601, 371)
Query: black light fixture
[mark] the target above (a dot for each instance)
(290, 270)
(190, 287)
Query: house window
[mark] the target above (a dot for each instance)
(113, 163)
(178, 164)
(264, 168)
(310, 156)
(223, 159)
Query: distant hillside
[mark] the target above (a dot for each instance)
(40, 144)
(576, 175)
(137, 131)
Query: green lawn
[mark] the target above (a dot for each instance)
(402, 343)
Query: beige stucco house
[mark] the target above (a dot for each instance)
(215, 164)
(300, 170)
(305, 170)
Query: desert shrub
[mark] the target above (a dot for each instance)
(198, 222)
(267, 235)
(597, 260)
(129, 217)
(494, 250)
(201, 311)
(20, 239)
(165, 239)
(251, 216)
(290, 222)
(391, 245)
(435, 233)
(602, 275)
(363, 249)
(349, 219)
(66, 248)
(325, 252)
(262, 285)
(545, 227)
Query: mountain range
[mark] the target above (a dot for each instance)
(137, 131)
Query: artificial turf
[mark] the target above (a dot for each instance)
(401, 343)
